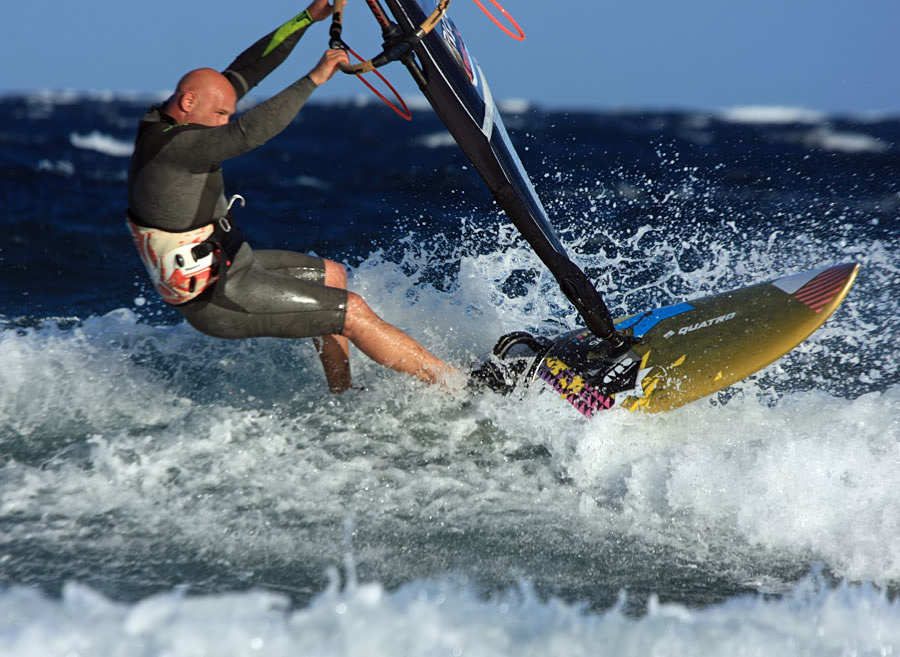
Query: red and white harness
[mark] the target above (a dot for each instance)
(183, 265)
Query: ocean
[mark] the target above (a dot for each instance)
(167, 493)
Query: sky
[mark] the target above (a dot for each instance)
(833, 56)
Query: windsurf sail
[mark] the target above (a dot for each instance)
(432, 49)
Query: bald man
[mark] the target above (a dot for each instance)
(183, 227)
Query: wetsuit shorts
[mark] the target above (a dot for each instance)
(268, 293)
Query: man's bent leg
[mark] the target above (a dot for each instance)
(282, 303)
(389, 346)
(334, 350)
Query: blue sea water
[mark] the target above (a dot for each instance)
(166, 493)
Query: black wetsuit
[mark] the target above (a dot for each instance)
(175, 184)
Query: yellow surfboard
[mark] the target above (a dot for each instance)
(689, 350)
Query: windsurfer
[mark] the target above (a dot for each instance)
(182, 223)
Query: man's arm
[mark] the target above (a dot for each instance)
(264, 56)
(259, 124)
(200, 146)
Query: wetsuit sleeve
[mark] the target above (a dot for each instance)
(264, 56)
(200, 147)
(259, 124)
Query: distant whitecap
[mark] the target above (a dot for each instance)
(97, 141)
(770, 114)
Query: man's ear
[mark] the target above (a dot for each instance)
(187, 101)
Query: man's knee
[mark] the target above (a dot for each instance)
(357, 307)
(358, 316)
(335, 274)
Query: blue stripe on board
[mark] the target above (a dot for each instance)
(643, 323)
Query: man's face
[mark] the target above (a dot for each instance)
(214, 106)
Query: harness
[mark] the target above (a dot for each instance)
(183, 265)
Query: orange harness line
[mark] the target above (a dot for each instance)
(519, 35)
(405, 113)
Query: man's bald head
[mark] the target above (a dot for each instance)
(203, 96)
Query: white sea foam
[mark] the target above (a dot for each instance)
(417, 101)
(807, 476)
(438, 140)
(413, 102)
(442, 618)
(311, 181)
(71, 96)
(97, 141)
(845, 142)
(770, 114)
(55, 97)
(514, 105)
(60, 167)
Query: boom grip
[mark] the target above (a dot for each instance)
(357, 69)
